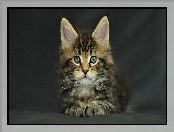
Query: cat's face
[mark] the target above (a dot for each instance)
(86, 55)
(85, 69)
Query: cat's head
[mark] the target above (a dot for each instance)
(86, 55)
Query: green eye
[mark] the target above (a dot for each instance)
(93, 59)
(77, 59)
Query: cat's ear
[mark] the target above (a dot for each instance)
(68, 34)
(101, 33)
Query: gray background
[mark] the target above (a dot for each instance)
(138, 39)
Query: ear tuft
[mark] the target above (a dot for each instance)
(101, 33)
(68, 34)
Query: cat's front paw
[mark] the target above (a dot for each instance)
(73, 110)
(98, 108)
(93, 109)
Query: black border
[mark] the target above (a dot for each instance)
(8, 8)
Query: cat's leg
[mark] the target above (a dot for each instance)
(74, 110)
(98, 107)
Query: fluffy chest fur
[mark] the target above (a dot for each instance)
(85, 88)
(83, 91)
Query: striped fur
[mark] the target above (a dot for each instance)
(91, 84)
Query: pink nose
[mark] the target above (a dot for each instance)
(85, 71)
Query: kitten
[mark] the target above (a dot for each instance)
(91, 83)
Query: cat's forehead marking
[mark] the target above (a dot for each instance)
(85, 43)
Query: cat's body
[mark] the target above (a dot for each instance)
(91, 83)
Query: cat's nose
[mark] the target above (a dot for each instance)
(85, 71)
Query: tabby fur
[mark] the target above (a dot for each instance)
(89, 88)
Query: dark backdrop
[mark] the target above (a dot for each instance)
(138, 40)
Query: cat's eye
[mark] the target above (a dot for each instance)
(93, 59)
(77, 59)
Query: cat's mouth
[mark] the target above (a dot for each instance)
(85, 80)
(84, 77)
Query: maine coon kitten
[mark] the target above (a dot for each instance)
(91, 83)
